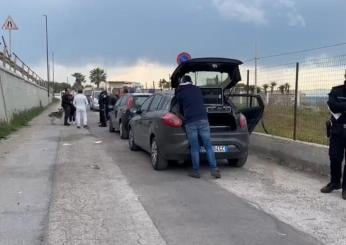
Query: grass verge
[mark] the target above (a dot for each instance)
(279, 121)
(20, 120)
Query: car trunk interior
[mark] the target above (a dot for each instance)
(221, 121)
(218, 120)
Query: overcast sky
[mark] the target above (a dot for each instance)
(139, 39)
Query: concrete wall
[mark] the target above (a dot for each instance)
(17, 94)
(296, 154)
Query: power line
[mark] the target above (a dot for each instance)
(297, 51)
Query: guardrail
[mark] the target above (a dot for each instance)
(16, 65)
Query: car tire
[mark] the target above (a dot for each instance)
(124, 134)
(132, 144)
(237, 163)
(157, 161)
(111, 129)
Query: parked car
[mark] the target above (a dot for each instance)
(122, 112)
(158, 129)
(94, 100)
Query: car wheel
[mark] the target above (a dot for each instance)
(132, 144)
(157, 161)
(111, 129)
(238, 163)
(123, 131)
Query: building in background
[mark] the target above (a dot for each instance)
(122, 84)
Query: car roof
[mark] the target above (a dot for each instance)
(141, 94)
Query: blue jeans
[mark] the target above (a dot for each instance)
(200, 130)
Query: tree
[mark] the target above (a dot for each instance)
(58, 87)
(79, 79)
(265, 88)
(287, 88)
(272, 86)
(79, 76)
(282, 89)
(163, 83)
(97, 76)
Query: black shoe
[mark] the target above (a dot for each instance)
(102, 125)
(78, 126)
(344, 194)
(216, 173)
(85, 126)
(330, 188)
(194, 174)
(67, 124)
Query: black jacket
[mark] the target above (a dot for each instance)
(65, 100)
(191, 103)
(337, 103)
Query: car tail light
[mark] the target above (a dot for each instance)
(243, 121)
(172, 120)
(130, 103)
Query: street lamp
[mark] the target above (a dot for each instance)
(46, 19)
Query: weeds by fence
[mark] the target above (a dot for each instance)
(295, 95)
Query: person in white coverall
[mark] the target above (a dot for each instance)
(80, 101)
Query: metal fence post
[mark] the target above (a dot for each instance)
(296, 102)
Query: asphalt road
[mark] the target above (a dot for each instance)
(190, 211)
(61, 185)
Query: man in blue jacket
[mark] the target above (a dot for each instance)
(191, 104)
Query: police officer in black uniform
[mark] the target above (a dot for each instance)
(103, 102)
(337, 132)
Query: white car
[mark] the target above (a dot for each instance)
(94, 103)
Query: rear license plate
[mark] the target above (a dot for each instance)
(217, 148)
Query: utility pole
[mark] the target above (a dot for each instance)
(47, 52)
(256, 57)
(53, 71)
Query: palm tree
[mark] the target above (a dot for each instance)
(287, 88)
(272, 86)
(282, 89)
(79, 76)
(97, 76)
(79, 79)
(265, 88)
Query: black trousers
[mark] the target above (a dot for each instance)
(67, 112)
(102, 116)
(72, 116)
(337, 153)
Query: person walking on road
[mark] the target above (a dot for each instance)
(337, 144)
(191, 105)
(66, 105)
(80, 102)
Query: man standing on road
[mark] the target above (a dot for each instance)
(66, 104)
(80, 102)
(337, 146)
(103, 102)
(191, 104)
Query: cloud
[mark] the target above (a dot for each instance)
(142, 71)
(292, 14)
(244, 11)
(259, 11)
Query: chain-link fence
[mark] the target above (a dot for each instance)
(295, 96)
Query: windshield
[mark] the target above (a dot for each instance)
(209, 78)
(140, 99)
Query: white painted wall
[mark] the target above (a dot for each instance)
(17, 94)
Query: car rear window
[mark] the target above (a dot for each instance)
(140, 99)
